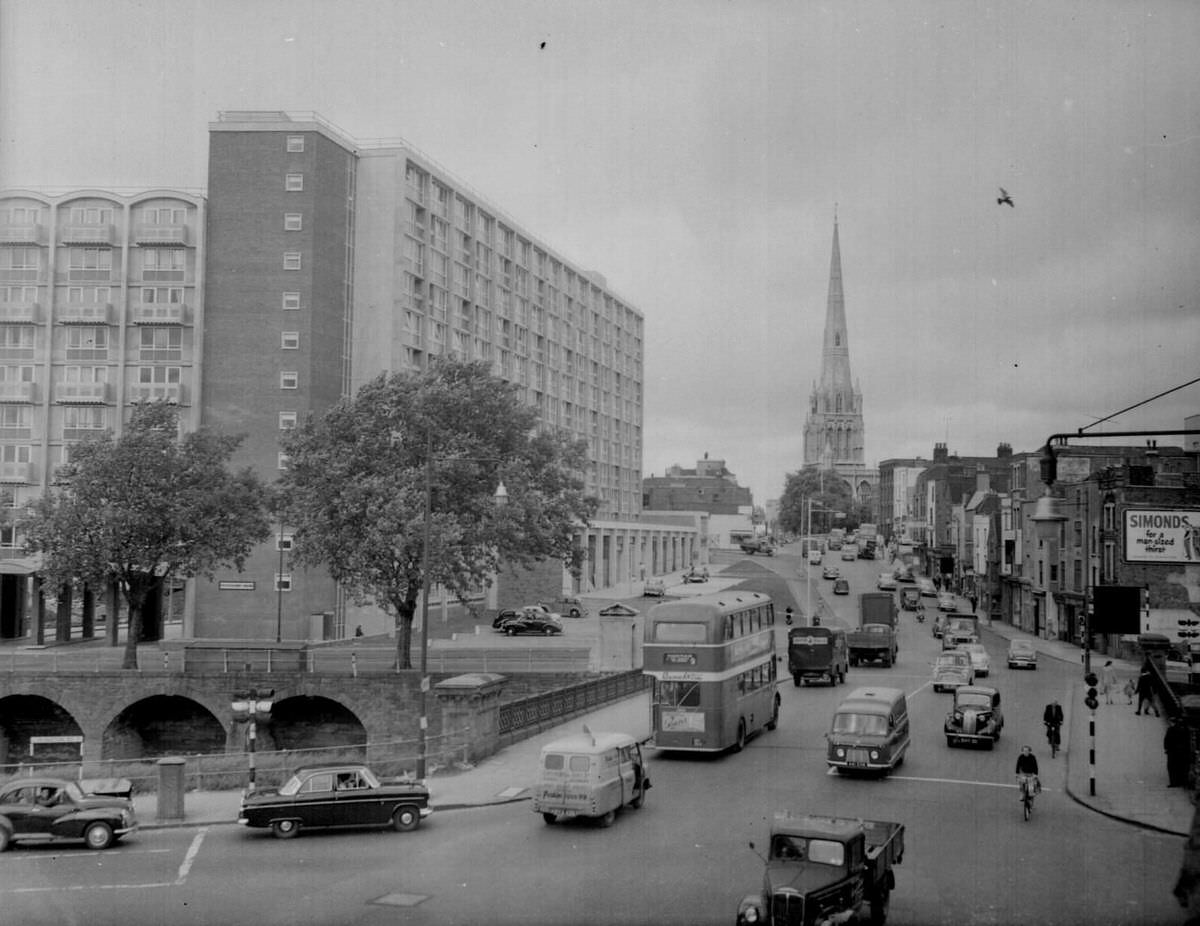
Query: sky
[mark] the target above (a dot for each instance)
(695, 153)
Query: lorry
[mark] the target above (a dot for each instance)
(752, 545)
(875, 638)
(817, 654)
(821, 869)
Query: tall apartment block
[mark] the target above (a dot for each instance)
(329, 262)
(101, 296)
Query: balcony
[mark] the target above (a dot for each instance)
(21, 393)
(166, 235)
(85, 313)
(158, 313)
(21, 233)
(18, 473)
(101, 233)
(171, 393)
(19, 313)
(81, 393)
(89, 275)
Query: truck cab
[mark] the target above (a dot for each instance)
(825, 869)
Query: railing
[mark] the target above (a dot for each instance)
(523, 717)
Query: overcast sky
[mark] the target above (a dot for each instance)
(693, 153)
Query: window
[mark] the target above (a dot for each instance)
(291, 260)
(293, 221)
(20, 263)
(172, 295)
(281, 460)
(295, 144)
(16, 374)
(17, 341)
(15, 418)
(283, 541)
(160, 343)
(289, 379)
(283, 581)
(85, 375)
(289, 340)
(287, 421)
(84, 418)
(291, 301)
(87, 343)
(22, 295)
(293, 183)
(159, 376)
(89, 259)
(91, 215)
(163, 264)
(164, 215)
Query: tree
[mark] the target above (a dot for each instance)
(140, 509)
(354, 489)
(828, 491)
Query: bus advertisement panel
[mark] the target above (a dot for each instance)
(713, 662)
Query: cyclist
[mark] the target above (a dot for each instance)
(1027, 772)
(1052, 717)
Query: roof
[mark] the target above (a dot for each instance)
(589, 742)
(837, 827)
(871, 699)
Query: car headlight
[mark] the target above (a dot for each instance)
(750, 915)
(874, 754)
(840, 752)
(958, 717)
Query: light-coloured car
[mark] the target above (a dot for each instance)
(1022, 655)
(980, 661)
(951, 669)
(849, 553)
(886, 582)
(946, 601)
(655, 587)
(928, 589)
(831, 572)
(814, 557)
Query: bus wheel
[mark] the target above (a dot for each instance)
(774, 721)
(741, 736)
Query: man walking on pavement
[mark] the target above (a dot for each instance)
(1145, 692)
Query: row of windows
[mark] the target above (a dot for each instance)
(91, 375)
(96, 215)
(749, 621)
(155, 263)
(94, 295)
(93, 339)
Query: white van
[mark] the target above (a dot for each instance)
(590, 775)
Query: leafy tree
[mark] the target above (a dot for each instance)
(828, 491)
(355, 485)
(142, 508)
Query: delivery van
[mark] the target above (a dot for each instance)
(869, 731)
(590, 775)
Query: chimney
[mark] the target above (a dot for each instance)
(1003, 451)
(939, 453)
(983, 481)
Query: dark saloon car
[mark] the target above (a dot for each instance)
(530, 620)
(324, 796)
(55, 810)
(841, 587)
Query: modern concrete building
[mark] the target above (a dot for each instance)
(101, 302)
(333, 261)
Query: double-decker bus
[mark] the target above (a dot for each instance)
(712, 658)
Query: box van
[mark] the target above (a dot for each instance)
(869, 730)
(817, 654)
(590, 775)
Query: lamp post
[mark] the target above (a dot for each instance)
(247, 705)
(500, 497)
(808, 539)
(279, 588)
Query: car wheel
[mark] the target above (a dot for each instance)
(550, 819)
(574, 612)
(285, 829)
(606, 820)
(797, 681)
(511, 631)
(549, 631)
(5, 838)
(406, 819)
(98, 836)
(950, 741)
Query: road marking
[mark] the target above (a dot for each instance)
(832, 771)
(192, 852)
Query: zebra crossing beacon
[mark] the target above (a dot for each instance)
(712, 659)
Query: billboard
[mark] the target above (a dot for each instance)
(1162, 535)
(1116, 609)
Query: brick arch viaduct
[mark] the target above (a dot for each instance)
(386, 706)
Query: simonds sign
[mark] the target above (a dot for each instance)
(1165, 535)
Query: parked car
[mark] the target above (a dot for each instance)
(928, 589)
(831, 572)
(655, 587)
(946, 601)
(509, 613)
(886, 582)
(980, 661)
(48, 810)
(976, 716)
(531, 620)
(841, 587)
(567, 607)
(1022, 655)
(696, 574)
(951, 669)
(336, 796)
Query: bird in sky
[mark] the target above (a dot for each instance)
(1004, 198)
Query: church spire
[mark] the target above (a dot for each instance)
(835, 353)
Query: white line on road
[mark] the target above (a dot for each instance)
(192, 852)
(832, 771)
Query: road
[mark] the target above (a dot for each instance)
(683, 858)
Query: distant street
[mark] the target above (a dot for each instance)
(683, 858)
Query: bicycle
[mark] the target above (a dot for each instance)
(1027, 793)
(1054, 738)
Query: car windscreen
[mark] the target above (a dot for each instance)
(976, 701)
(868, 724)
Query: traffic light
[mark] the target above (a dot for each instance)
(1189, 633)
(1090, 698)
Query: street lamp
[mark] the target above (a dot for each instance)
(500, 498)
(247, 705)
(808, 538)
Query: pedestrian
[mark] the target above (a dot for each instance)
(974, 599)
(1145, 691)
(1129, 690)
(1177, 744)
(1108, 681)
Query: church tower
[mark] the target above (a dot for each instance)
(833, 429)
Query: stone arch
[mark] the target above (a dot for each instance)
(23, 716)
(311, 722)
(162, 725)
